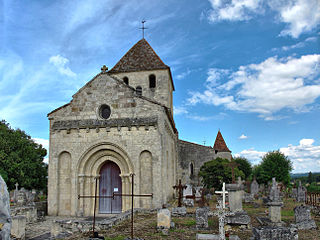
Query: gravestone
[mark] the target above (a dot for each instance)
(275, 204)
(214, 237)
(179, 212)
(5, 219)
(239, 217)
(303, 218)
(198, 193)
(164, 220)
(202, 218)
(235, 197)
(294, 193)
(254, 188)
(21, 197)
(188, 192)
(18, 229)
(301, 193)
(275, 233)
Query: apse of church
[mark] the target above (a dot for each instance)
(119, 123)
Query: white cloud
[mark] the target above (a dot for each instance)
(179, 110)
(299, 15)
(264, 88)
(233, 10)
(60, 63)
(299, 44)
(305, 156)
(242, 137)
(45, 144)
(252, 155)
(183, 75)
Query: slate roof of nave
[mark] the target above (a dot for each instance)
(220, 144)
(141, 57)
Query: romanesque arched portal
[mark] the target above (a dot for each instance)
(95, 161)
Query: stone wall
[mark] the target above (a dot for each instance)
(195, 154)
(163, 91)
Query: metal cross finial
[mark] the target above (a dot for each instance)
(143, 28)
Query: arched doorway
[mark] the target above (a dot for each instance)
(110, 181)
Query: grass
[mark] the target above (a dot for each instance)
(115, 238)
(287, 213)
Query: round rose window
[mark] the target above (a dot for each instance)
(105, 111)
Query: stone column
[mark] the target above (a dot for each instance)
(126, 188)
(81, 192)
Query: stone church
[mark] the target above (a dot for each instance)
(121, 122)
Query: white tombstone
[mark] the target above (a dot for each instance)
(163, 219)
(188, 192)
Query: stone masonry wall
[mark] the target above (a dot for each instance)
(197, 155)
(163, 91)
(80, 146)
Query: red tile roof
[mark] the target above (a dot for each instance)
(220, 144)
(141, 57)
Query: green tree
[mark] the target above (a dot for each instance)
(244, 166)
(21, 159)
(217, 171)
(310, 177)
(274, 164)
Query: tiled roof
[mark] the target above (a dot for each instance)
(141, 57)
(220, 144)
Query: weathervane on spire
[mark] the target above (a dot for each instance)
(143, 28)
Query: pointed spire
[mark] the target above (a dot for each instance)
(220, 145)
(141, 57)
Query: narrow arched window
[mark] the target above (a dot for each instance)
(139, 91)
(191, 169)
(152, 81)
(126, 80)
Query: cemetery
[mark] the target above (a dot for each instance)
(221, 214)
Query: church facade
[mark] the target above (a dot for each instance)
(121, 123)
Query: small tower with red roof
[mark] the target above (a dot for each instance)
(220, 147)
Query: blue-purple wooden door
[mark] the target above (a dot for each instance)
(110, 182)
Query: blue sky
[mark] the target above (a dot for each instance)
(249, 68)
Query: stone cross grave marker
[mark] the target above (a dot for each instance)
(221, 214)
(180, 188)
(223, 192)
(233, 165)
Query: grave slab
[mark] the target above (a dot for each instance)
(214, 237)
